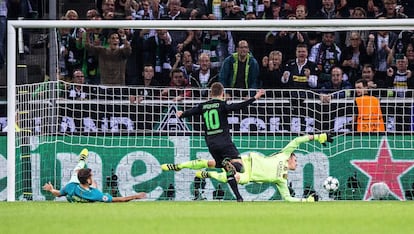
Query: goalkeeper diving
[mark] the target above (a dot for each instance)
(271, 169)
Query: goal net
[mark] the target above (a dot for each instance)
(131, 130)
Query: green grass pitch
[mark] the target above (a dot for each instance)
(207, 217)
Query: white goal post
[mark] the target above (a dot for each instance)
(246, 25)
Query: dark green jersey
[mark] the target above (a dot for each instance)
(214, 114)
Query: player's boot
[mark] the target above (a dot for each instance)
(84, 154)
(170, 167)
(231, 180)
(202, 174)
(228, 167)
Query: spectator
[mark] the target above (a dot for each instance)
(123, 9)
(134, 64)
(267, 10)
(272, 71)
(90, 62)
(357, 13)
(112, 60)
(71, 48)
(335, 88)
(240, 69)
(290, 6)
(301, 12)
(92, 14)
(158, 52)
(233, 11)
(390, 10)
(105, 6)
(181, 39)
(3, 24)
(353, 57)
(213, 42)
(254, 38)
(286, 42)
(148, 83)
(301, 73)
(398, 76)
(378, 47)
(205, 76)
(179, 87)
(367, 110)
(330, 10)
(78, 91)
(197, 9)
(146, 12)
(326, 55)
(188, 67)
(368, 74)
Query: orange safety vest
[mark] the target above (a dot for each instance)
(369, 117)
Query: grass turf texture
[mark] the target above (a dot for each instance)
(207, 217)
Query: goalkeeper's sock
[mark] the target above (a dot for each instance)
(194, 164)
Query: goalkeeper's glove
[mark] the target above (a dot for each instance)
(323, 138)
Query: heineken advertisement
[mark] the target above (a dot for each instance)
(123, 165)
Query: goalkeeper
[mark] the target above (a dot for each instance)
(82, 187)
(271, 169)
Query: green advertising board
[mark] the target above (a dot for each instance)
(124, 165)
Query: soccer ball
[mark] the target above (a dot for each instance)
(380, 191)
(331, 184)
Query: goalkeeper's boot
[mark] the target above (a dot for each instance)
(170, 167)
(84, 154)
(202, 174)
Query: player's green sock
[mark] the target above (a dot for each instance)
(194, 164)
(219, 176)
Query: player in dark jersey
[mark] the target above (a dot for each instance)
(217, 134)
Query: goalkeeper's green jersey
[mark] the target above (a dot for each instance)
(274, 168)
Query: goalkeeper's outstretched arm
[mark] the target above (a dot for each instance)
(294, 144)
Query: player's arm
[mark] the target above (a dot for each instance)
(129, 198)
(238, 106)
(294, 144)
(193, 111)
(49, 187)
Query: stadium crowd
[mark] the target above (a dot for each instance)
(324, 61)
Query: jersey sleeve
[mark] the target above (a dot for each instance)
(284, 192)
(193, 111)
(240, 105)
(294, 144)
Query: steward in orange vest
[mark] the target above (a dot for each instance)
(368, 117)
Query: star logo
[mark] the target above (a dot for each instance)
(384, 169)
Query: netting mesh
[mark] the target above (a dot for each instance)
(131, 130)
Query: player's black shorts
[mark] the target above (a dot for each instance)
(222, 151)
